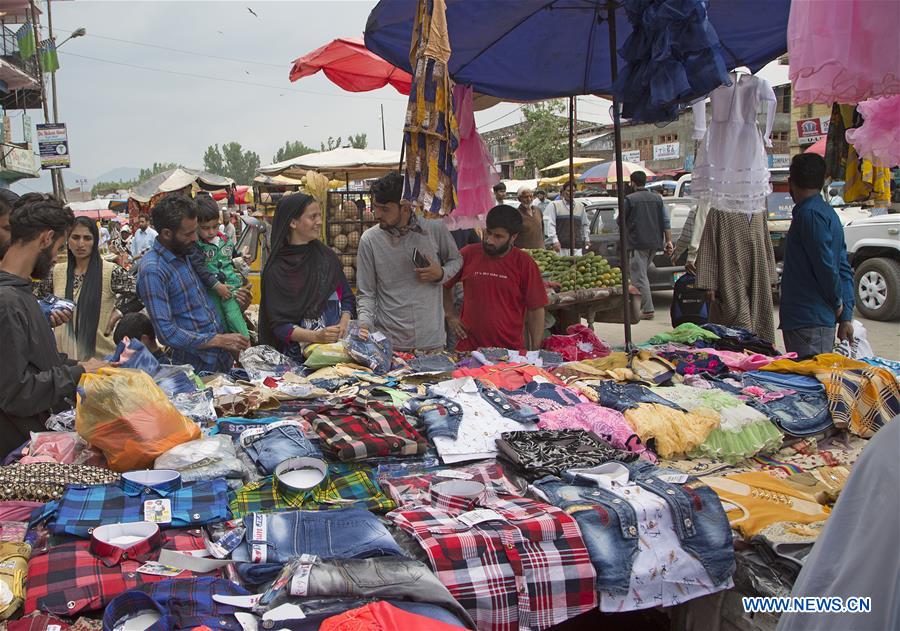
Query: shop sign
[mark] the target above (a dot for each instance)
(810, 130)
(779, 160)
(19, 160)
(53, 145)
(667, 151)
(632, 156)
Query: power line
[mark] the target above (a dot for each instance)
(235, 81)
(502, 117)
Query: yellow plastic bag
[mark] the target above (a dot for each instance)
(322, 355)
(127, 416)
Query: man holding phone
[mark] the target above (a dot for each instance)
(400, 265)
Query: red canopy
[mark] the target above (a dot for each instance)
(96, 214)
(352, 66)
(240, 194)
(818, 147)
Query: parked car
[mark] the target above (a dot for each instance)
(873, 247)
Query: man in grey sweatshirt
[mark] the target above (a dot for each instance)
(400, 266)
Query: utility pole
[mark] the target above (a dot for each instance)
(57, 173)
(383, 142)
(37, 59)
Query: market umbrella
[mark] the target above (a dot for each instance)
(818, 147)
(175, 180)
(607, 171)
(346, 162)
(350, 65)
(564, 164)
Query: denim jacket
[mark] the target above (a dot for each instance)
(609, 524)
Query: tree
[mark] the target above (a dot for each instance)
(358, 141)
(542, 138)
(332, 144)
(292, 150)
(231, 161)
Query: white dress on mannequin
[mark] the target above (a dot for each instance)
(732, 171)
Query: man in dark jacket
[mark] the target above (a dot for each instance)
(35, 379)
(648, 233)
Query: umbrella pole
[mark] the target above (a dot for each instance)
(620, 184)
(571, 199)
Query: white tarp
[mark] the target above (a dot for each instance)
(355, 164)
(177, 179)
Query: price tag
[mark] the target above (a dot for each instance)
(158, 511)
(479, 515)
(258, 551)
(158, 569)
(452, 473)
(674, 478)
(300, 580)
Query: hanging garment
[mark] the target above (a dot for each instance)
(476, 173)
(866, 182)
(878, 138)
(840, 50)
(732, 171)
(843, 117)
(737, 261)
(672, 56)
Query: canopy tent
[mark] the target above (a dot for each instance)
(557, 180)
(177, 179)
(96, 208)
(346, 162)
(577, 161)
(242, 195)
(277, 180)
(607, 171)
(818, 147)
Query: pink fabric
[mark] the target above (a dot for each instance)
(17, 510)
(579, 343)
(350, 65)
(608, 424)
(475, 173)
(59, 447)
(843, 51)
(745, 361)
(878, 138)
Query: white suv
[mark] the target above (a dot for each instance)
(873, 246)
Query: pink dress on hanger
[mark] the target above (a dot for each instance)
(843, 51)
(475, 173)
(878, 138)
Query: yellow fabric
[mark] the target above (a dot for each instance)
(865, 181)
(13, 570)
(65, 343)
(762, 500)
(674, 432)
(645, 367)
(823, 363)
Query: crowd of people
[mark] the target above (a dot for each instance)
(186, 294)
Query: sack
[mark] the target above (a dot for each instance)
(689, 304)
(324, 355)
(580, 343)
(124, 413)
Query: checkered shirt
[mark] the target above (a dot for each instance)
(182, 605)
(346, 485)
(529, 570)
(358, 429)
(415, 489)
(82, 508)
(75, 577)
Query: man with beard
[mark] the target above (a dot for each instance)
(183, 316)
(503, 290)
(35, 380)
(400, 266)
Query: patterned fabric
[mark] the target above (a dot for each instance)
(550, 452)
(415, 489)
(182, 605)
(70, 579)
(608, 424)
(358, 429)
(519, 564)
(82, 508)
(13, 569)
(544, 397)
(42, 622)
(347, 485)
(45, 481)
(687, 363)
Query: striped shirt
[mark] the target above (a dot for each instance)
(183, 316)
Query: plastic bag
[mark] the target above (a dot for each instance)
(197, 406)
(860, 349)
(127, 416)
(174, 380)
(324, 355)
(132, 354)
(197, 453)
(375, 351)
(264, 361)
(579, 343)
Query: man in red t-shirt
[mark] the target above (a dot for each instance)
(503, 292)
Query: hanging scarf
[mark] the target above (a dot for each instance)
(83, 327)
(297, 279)
(412, 226)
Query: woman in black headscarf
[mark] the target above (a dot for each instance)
(102, 292)
(305, 296)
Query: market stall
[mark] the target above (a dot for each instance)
(181, 179)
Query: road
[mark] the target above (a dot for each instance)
(883, 336)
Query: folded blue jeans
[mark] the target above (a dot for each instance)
(273, 539)
(271, 445)
(440, 415)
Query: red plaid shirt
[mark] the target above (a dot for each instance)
(358, 429)
(526, 570)
(85, 575)
(415, 489)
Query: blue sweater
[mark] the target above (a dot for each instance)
(817, 277)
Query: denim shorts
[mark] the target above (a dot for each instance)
(274, 444)
(801, 414)
(273, 539)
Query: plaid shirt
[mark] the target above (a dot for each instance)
(347, 485)
(358, 429)
(82, 576)
(182, 605)
(182, 314)
(82, 508)
(415, 489)
(528, 569)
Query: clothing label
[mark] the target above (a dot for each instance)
(258, 551)
(158, 511)
(451, 473)
(300, 580)
(674, 478)
(378, 336)
(479, 515)
(250, 436)
(244, 602)
(158, 569)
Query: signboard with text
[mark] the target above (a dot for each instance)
(53, 145)
(667, 151)
(810, 130)
(631, 156)
(779, 160)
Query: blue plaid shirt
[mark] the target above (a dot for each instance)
(182, 604)
(182, 314)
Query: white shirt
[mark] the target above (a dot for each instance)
(142, 241)
(104, 236)
(663, 574)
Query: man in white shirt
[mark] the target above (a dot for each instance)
(143, 238)
(540, 200)
(104, 239)
(556, 223)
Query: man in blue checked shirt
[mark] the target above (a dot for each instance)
(182, 315)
